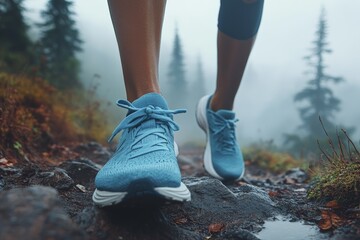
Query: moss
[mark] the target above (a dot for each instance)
(275, 162)
(339, 176)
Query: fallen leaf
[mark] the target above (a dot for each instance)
(241, 183)
(336, 220)
(329, 220)
(300, 190)
(185, 167)
(4, 162)
(181, 220)
(289, 180)
(273, 194)
(81, 187)
(332, 204)
(216, 227)
(324, 225)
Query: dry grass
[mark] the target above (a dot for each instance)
(34, 116)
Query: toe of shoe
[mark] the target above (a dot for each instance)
(148, 177)
(229, 169)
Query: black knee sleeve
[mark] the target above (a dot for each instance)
(240, 19)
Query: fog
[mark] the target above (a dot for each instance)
(264, 104)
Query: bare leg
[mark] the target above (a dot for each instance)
(233, 55)
(138, 26)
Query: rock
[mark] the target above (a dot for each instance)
(35, 213)
(94, 151)
(131, 223)
(240, 234)
(2, 183)
(82, 171)
(252, 192)
(10, 171)
(86, 218)
(212, 202)
(58, 178)
(295, 175)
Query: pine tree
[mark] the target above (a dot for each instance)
(176, 75)
(319, 96)
(15, 44)
(60, 42)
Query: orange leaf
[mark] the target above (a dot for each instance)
(336, 220)
(273, 194)
(332, 204)
(325, 215)
(325, 224)
(216, 227)
(329, 220)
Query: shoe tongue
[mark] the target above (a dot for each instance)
(227, 114)
(153, 99)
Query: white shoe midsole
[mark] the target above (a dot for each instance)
(106, 198)
(202, 121)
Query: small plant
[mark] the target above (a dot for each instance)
(274, 161)
(339, 176)
(34, 116)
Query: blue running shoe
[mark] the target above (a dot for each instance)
(145, 159)
(222, 158)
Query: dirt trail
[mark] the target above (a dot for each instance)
(55, 202)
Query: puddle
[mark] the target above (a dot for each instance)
(282, 229)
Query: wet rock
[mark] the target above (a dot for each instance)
(347, 232)
(212, 202)
(10, 171)
(131, 223)
(94, 151)
(58, 178)
(35, 213)
(240, 234)
(247, 190)
(2, 183)
(29, 171)
(82, 171)
(295, 175)
(86, 218)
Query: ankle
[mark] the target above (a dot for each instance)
(132, 96)
(218, 103)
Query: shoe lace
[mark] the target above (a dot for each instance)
(141, 115)
(224, 131)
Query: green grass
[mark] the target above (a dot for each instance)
(338, 177)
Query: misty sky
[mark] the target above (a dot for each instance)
(264, 104)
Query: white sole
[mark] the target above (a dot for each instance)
(105, 198)
(203, 124)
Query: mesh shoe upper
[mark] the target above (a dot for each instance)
(226, 155)
(145, 152)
